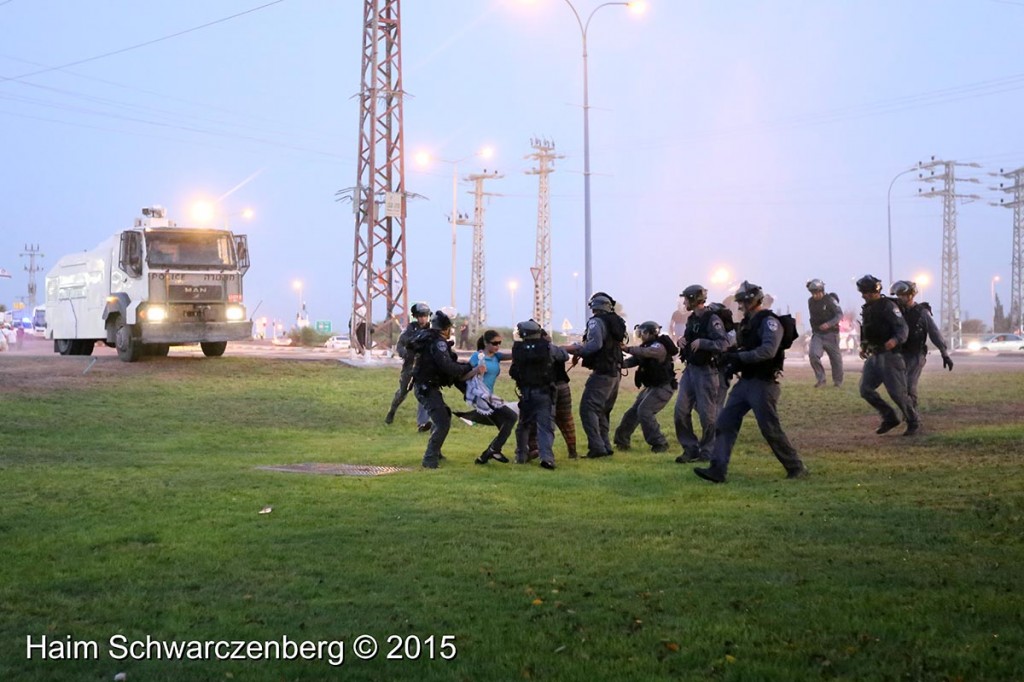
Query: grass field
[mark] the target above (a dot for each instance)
(131, 502)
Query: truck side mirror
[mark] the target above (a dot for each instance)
(242, 252)
(131, 253)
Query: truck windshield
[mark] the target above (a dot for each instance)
(190, 249)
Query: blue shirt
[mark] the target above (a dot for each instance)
(493, 367)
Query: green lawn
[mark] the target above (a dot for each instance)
(130, 499)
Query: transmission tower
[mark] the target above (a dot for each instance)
(950, 318)
(541, 270)
(1017, 262)
(477, 279)
(379, 199)
(32, 251)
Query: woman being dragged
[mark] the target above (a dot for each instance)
(488, 408)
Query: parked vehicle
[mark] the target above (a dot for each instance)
(998, 343)
(339, 342)
(148, 288)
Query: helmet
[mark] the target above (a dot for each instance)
(440, 321)
(695, 294)
(749, 293)
(903, 287)
(649, 327)
(420, 309)
(601, 302)
(528, 328)
(869, 284)
(815, 285)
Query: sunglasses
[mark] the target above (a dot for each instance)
(495, 343)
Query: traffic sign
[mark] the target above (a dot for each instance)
(323, 326)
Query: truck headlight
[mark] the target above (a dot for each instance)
(156, 313)
(235, 313)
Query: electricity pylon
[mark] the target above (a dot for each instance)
(541, 270)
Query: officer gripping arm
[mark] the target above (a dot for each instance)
(655, 351)
(717, 339)
(594, 340)
(446, 362)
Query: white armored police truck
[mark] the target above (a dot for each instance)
(148, 288)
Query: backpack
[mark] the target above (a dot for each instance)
(532, 364)
(725, 315)
(789, 331)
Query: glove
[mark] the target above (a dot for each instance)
(947, 363)
(731, 362)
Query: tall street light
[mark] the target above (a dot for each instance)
(424, 159)
(888, 210)
(588, 282)
(512, 286)
(297, 285)
(995, 279)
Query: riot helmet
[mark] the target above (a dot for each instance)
(749, 294)
(903, 288)
(815, 285)
(869, 284)
(601, 302)
(528, 328)
(420, 310)
(440, 321)
(695, 294)
(648, 327)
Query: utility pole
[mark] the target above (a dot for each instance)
(379, 197)
(32, 251)
(541, 270)
(1017, 262)
(477, 287)
(950, 318)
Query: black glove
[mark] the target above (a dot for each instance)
(947, 363)
(731, 362)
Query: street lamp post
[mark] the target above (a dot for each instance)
(512, 286)
(576, 310)
(588, 282)
(995, 279)
(297, 285)
(888, 210)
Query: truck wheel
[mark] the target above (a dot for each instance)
(160, 350)
(63, 346)
(213, 349)
(82, 347)
(128, 346)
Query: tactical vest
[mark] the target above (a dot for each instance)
(748, 337)
(917, 339)
(426, 370)
(561, 374)
(651, 372)
(876, 327)
(822, 311)
(532, 364)
(698, 327)
(608, 360)
(402, 346)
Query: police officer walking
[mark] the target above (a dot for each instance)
(703, 342)
(920, 328)
(436, 366)
(759, 361)
(601, 352)
(533, 359)
(421, 320)
(825, 316)
(655, 376)
(883, 330)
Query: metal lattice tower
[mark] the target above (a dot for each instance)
(950, 318)
(541, 271)
(378, 266)
(1017, 262)
(32, 251)
(477, 280)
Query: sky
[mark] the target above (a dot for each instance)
(759, 137)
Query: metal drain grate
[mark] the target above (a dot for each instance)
(335, 469)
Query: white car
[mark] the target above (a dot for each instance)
(998, 342)
(340, 342)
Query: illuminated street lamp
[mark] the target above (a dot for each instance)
(424, 158)
(207, 212)
(888, 211)
(297, 285)
(636, 7)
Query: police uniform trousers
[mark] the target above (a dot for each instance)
(563, 419)
(404, 386)
(915, 363)
(887, 368)
(699, 387)
(536, 411)
(762, 397)
(644, 411)
(440, 416)
(829, 343)
(596, 403)
(503, 418)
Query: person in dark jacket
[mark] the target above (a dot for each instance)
(921, 328)
(655, 376)
(421, 320)
(883, 332)
(825, 315)
(437, 366)
(533, 359)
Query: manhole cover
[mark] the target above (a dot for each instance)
(335, 469)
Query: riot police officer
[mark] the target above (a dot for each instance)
(601, 352)
(825, 315)
(655, 376)
(920, 328)
(420, 313)
(703, 342)
(883, 331)
(437, 366)
(759, 361)
(533, 360)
